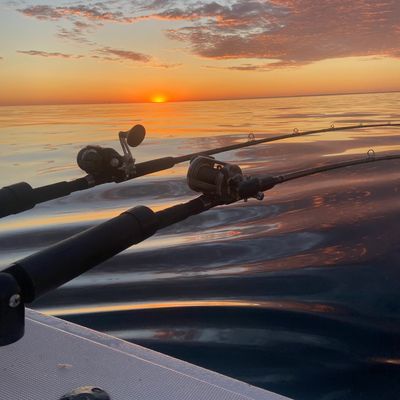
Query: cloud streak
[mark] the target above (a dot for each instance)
(93, 13)
(107, 54)
(112, 54)
(78, 32)
(48, 54)
(244, 67)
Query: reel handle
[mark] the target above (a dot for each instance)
(135, 135)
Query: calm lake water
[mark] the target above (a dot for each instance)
(298, 294)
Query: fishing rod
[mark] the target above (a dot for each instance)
(218, 182)
(104, 165)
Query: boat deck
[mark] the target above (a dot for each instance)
(55, 357)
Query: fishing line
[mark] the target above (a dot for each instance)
(342, 164)
(296, 133)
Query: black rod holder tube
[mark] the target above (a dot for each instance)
(12, 310)
(60, 263)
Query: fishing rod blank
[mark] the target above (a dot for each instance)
(104, 165)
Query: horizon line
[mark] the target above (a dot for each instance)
(201, 100)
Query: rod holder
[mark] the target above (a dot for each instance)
(12, 310)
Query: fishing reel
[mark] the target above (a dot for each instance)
(106, 163)
(219, 179)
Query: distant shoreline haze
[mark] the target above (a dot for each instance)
(89, 102)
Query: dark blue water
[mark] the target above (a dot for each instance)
(298, 294)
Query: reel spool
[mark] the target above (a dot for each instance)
(215, 178)
(106, 163)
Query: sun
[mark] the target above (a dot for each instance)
(158, 98)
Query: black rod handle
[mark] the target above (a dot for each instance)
(21, 196)
(16, 198)
(180, 212)
(148, 167)
(60, 263)
(59, 189)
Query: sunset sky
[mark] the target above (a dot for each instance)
(64, 51)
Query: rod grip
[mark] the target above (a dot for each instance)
(16, 198)
(180, 212)
(60, 263)
(21, 196)
(59, 189)
(148, 167)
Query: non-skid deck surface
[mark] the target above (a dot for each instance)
(55, 357)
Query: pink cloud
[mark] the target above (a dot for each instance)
(286, 32)
(296, 31)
